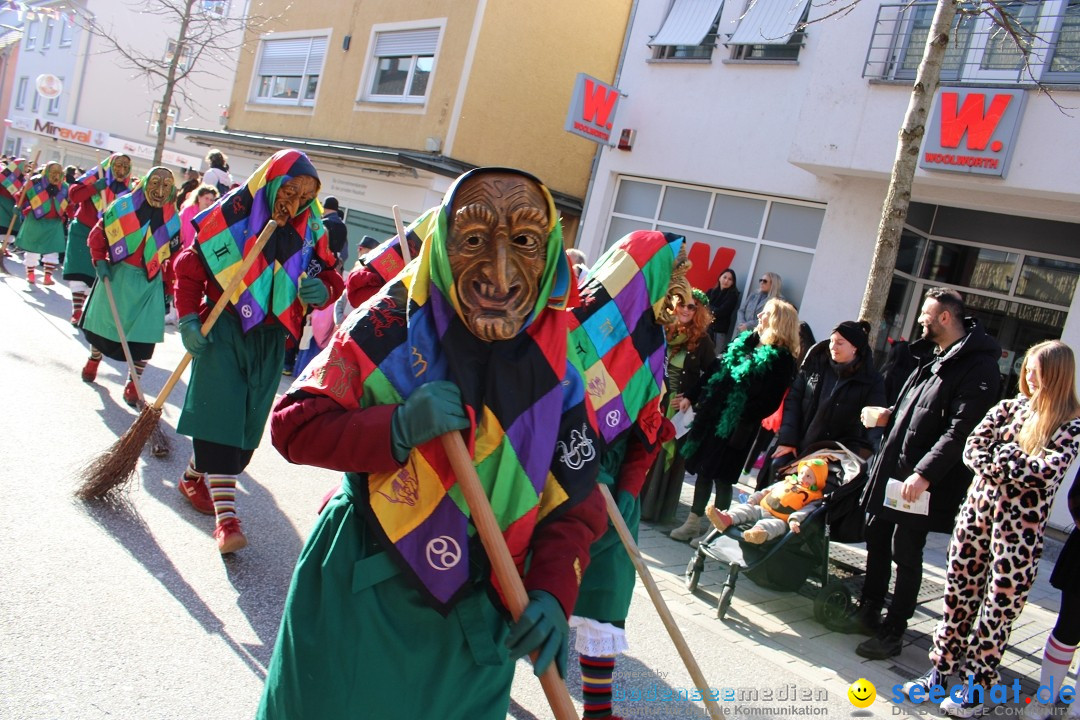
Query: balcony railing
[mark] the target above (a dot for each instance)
(1032, 43)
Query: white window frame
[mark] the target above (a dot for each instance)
(20, 93)
(31, 34)
(185, 60)
(216, 8)
(53, 108)
(46, 36)
(35, 102)
(309, 71)
(65, 33)
(371, 69)
(170, 122)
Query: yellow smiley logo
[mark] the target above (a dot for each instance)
(862, 693)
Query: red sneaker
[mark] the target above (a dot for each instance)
(30, 277)
(197, 494)
(228, 536)
(89, 371)
(48, 279)
(131, 395)
(76, 316)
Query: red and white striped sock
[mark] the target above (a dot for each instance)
(1057, 657)
(223, 492)
(78, 299)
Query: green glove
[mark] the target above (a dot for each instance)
(191, 334)
(541, 627)
(432, 410)
(101, 267)
(313, 291)
(625, 502)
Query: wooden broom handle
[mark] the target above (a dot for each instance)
(219, 307)
(18, 200)
(403, 241)
(658, 600)
(502, 563)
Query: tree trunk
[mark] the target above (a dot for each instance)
(170, 82)
(898, 198)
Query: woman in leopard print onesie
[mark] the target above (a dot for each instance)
(1020, 453)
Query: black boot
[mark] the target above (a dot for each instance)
(886, 644)
(864, 621)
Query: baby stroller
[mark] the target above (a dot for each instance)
(785, 563)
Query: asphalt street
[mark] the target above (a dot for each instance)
(128, 611)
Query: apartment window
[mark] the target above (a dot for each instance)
(46, 37)
(65, 33)
(218, 8)
(402, 62)
(170, 122)
(31, 34)
(20, 93)
(770, 30)
(1041, 43)
(53, 108)
(35, 103)
(689, 31)
(185, 58)
(288, 71)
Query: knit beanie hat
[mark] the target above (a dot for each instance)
(856, 333)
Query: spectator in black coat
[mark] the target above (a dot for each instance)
(940, 404)
(836, 381)
(335, 227)
(723, 302)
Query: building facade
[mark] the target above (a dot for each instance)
(769, 146)
(392, 101)
(104, 105)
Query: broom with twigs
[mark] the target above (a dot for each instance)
(159, 441)
(116, 466)
(14, 210)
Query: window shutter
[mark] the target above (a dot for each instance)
(406, 43)
(688, 22)
(285, 57)
(769, 22)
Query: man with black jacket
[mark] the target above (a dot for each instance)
(939, 405)
(335, 228)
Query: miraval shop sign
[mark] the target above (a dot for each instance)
(62, 131)
(972, 130)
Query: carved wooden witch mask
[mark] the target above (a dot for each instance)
(293, 194)
(497, 248)
(159, 186)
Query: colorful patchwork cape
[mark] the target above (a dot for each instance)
(386, 258)
(532, 438)
(133, 227)
(229, 227)
(106, 187)
(622, 347)
(38, 200)
(13, 175)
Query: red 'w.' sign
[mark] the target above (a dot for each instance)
(592, 109)
(972, 130)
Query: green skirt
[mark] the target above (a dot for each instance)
(42, 236)
(7, 208)
(140, 303)
(357, 640)
(233, 383)
(78, 265)
(608, 584)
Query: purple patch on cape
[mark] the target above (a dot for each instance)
(438, 550)
(533, 436)
(612, 418)
(632, 301)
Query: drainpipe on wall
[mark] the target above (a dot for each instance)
(599, 147)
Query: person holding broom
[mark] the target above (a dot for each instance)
(90, 194)
(13, 174)
(42, 233)
(632, 291)
(136, 235)
(237, 365)
(473, 337)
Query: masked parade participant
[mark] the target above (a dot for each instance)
(42, 231)
(237, 367)
(12, 177)
(90, 194)
(392, 583)
(628, 297)
(136, 235)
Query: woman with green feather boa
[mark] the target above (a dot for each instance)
(743, 387)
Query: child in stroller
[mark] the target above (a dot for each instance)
(781, 505)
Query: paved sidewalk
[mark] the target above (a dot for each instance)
(781, 626)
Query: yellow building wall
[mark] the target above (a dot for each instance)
(515, 100)
(527, 59)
